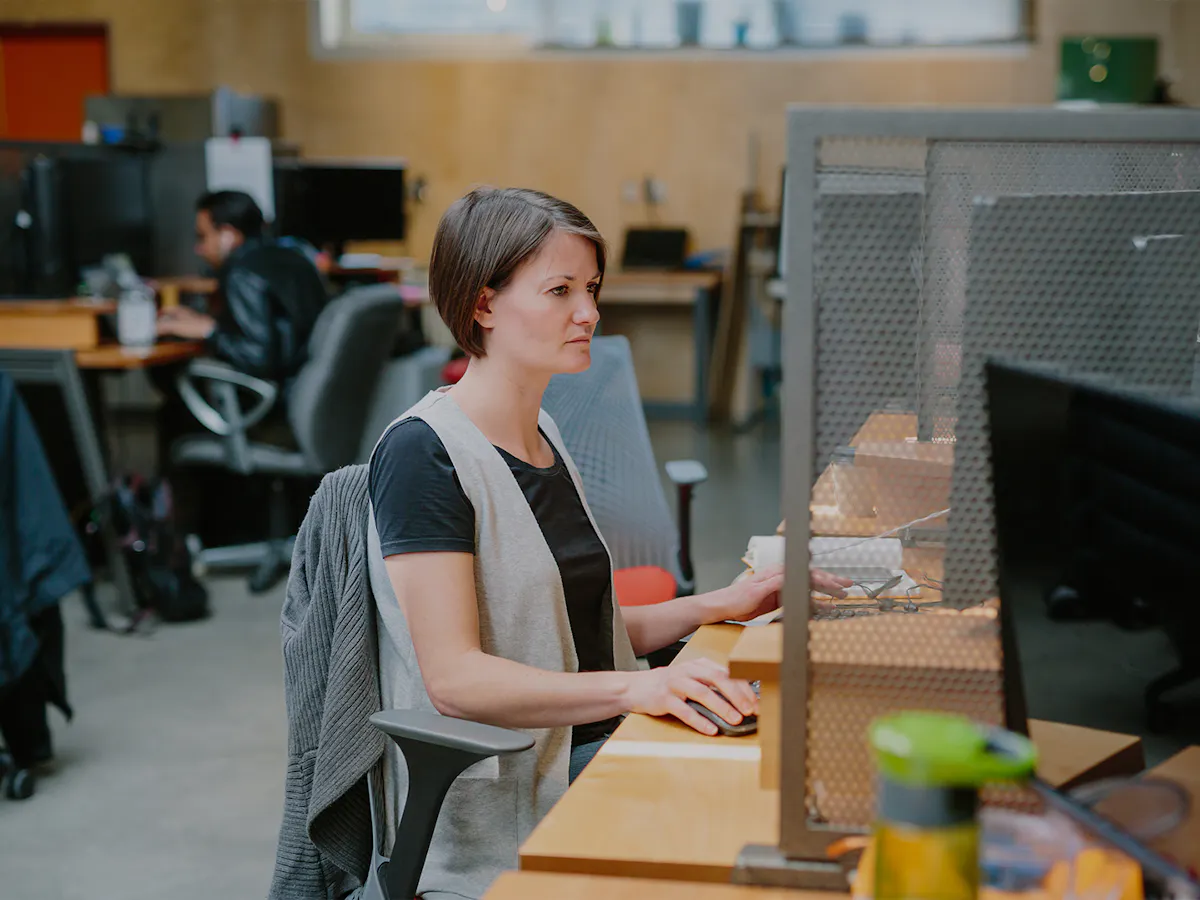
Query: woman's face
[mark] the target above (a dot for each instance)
(544, 319)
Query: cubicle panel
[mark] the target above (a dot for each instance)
(921, 243)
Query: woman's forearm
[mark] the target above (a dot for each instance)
(661, 624)
(497, 691)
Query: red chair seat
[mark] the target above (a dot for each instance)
(454, 370)
(643, 585)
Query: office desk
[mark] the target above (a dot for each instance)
(70, 323)
(643, 306)
(1070, 755)
(661, 801)
(545, 886)
(115, 358)
(1183, 845)
(56, 342)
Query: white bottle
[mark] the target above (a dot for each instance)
(137, 315)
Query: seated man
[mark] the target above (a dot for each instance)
(261, 317)
(268, 296)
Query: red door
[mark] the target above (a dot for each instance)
(46, 72)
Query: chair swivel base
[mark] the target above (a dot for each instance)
(270, 560)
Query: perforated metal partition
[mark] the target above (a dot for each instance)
(921, 243)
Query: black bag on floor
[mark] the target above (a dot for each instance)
(160, 565)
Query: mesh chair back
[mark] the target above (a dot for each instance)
(350, 344)
(599, 413)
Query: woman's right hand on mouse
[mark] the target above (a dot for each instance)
(665, 691)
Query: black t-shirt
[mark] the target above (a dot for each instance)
(420, 506)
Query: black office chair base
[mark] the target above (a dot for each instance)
(272, 570)
(18, 784)
(1159, 714)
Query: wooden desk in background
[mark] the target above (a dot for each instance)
(67, 324)
(58, 342)
(544, 886)
(115, 358)
(661, 801)
(645, 307)
(1183, 844)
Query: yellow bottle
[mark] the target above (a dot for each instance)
(931, 767)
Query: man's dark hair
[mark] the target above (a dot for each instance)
(236, 209)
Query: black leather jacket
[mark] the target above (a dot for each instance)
(271, 297)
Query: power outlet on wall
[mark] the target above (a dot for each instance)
(631, 191)
(655, 190)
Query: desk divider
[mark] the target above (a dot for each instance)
(920, 243)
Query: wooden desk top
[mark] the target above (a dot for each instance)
(1069, 754)
(188, 284)
(72, 306)
(661, 801)
(377, 273)
(114, 356)
(545, 886)
(1183, 845)
(656, 288)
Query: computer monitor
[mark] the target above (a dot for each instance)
(1060, 279)
(66, 210)
(1097, 519)
(332, 203)
(654, 249)
(107, 210)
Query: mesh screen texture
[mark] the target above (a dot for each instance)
(929, 257)
(599, 413)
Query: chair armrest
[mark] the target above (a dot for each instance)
(222, 382)
(436, 749)
(455, 734)
(685, 474)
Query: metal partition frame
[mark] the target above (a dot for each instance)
(802, 844)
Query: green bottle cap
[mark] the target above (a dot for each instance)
(931, 749)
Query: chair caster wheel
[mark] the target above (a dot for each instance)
(1159, 718)
(267, 575)
(19, 784)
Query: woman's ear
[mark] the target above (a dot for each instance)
(483, 308)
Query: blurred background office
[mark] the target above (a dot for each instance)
(353, 124)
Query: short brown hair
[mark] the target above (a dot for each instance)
(483, 239)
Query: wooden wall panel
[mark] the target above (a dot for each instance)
(577, 127)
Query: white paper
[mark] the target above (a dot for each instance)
(242, 165)
(834, 552)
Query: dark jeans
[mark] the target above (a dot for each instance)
(581, 756)
(23, 724)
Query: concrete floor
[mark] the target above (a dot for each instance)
(169, 780)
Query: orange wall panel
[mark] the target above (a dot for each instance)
(45, 79)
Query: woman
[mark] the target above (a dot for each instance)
(503, 608)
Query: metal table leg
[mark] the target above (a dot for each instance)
(702, 319)
(58, 367)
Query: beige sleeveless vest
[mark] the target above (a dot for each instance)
(494, 806)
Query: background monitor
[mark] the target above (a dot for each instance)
(1062, 279)
(106, 210)
(327, 203)
(1097, 515)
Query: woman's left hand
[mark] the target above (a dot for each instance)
(752, 595)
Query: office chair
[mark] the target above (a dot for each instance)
(599, 413)
(326, 410)
(436, 749)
